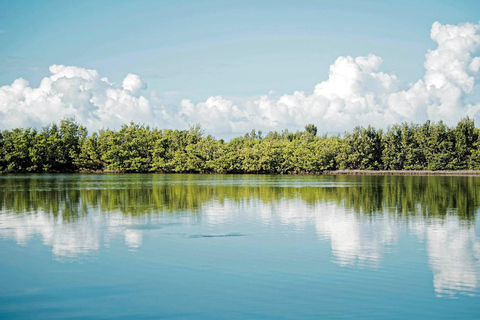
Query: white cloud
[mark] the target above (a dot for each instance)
(133, 83)
(356, 92)
(78, 92)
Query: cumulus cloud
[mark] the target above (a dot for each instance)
(133, 83)
(355, 92)
(75, 92)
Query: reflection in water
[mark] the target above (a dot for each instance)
(70, 238)
(361, 217)
(454, 255)
(356, 239)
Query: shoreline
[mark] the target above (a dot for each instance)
(405, 172)
(465, 173)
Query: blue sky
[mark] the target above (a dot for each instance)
(237, 49)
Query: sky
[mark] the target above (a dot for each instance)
(233, 66)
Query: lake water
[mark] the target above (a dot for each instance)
(239, 247)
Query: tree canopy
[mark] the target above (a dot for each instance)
(67, 147)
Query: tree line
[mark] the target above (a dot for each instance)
(67, 147)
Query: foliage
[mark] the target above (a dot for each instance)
(138, 148)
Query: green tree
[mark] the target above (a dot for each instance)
(72, 137)
(90, 157)
(311, 129)
(465, 137)
(361, 149)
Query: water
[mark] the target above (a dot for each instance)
(239, 247)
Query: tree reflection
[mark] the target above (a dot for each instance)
(359, 215)
(400, 196)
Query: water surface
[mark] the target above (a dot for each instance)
(239, 246)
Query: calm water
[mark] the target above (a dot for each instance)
(244, 247)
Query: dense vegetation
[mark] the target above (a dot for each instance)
(138, 148)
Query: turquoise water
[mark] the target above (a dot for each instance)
(239, 247)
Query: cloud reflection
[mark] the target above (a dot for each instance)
(74, 238)
(357, 239)
(454, 254)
